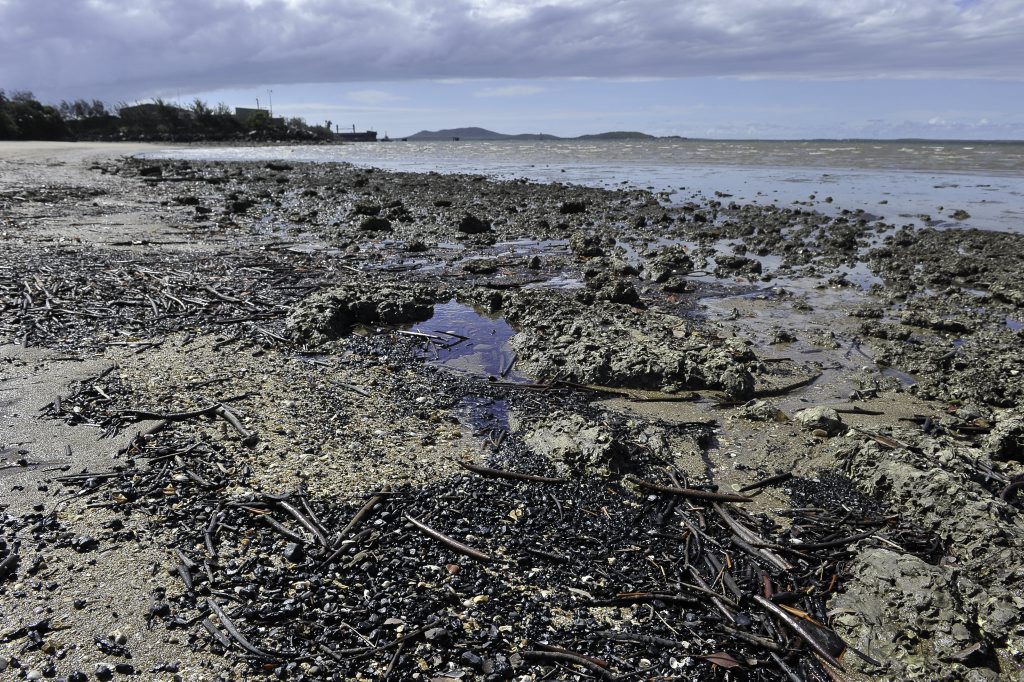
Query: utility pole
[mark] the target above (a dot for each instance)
(270, 98)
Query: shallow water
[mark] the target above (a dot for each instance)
(919, 182)
(468, 341)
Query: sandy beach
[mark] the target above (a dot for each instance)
(300, 421)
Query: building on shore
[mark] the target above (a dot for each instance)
(354, 136)
(247, 114)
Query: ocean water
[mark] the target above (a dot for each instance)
(902, 182)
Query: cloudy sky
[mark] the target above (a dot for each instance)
(699, 68)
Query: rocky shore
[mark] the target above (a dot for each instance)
(318, 422)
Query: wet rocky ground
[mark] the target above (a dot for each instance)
(316, 422)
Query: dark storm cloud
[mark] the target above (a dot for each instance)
(125, 48)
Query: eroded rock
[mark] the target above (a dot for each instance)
(330, 314)
(910, 616)
(935, 485)
(820, 418)
(614, 345)
(763, 411)
(1006, 441)
(574, 443)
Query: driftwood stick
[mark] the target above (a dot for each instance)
(499, 473)
(623, 598)
(690, 492)
(217, 634)
(141, 415)
(311, 514)
(447, 541)
(357, 520)
(249, 439)
(839, 542)
(238, 636)
(364, 653)
(541, 646)
(363, 513)
(280, 528)
(752, 638)
(782, 390)
(765, 482)
(551, 556)
(561, 657)
(799, 628)
(306, 523)
(755, 544)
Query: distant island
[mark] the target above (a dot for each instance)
(476, 134)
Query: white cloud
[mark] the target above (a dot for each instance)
(510, 91)
(372, 97)
(131, 48)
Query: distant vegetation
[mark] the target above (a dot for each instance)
(617, 135)
(484, 134)
(22, 117)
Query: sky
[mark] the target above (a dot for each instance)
(696, 68)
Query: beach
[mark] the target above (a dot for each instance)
(314, 420)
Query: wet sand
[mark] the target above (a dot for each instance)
(675, 344)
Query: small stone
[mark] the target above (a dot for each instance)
(293, 552)
(762, 411)
(436, 635)
(583, 244)
(34, 675)
(470, 224)
(472, 660)
(821, 418)
(83, 543)
(375, 224)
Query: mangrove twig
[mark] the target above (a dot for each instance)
(560, 657)
(799, 628)
(691, 493)
(447, 541)
(499, 473)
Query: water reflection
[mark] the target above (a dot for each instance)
(460, 338)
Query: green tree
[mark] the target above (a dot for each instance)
(259, 121)
(201, 109)
(25, 118)
(8, 128)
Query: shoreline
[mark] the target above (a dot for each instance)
(300, 297)
(947, 188)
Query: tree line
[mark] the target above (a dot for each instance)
(23, 117)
